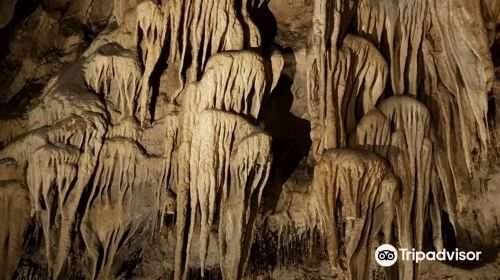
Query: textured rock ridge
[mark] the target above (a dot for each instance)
(238, 139)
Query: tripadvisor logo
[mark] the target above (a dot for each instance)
(387, 255)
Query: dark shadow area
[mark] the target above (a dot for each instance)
(28, 270)
(131, 263)
(210, 273)
(291, 140)
(305, 252)
(448, 233)
(290, 133)
(159, 69)
(23, 9)
(266, 23)
(495, 52)
(463, 241)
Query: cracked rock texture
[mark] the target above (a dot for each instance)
(248, 139)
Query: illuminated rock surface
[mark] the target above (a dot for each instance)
(247, 139)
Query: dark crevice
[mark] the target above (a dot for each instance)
(23, 9)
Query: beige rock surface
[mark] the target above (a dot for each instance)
(238, 139)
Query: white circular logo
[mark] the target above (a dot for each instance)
(386, 255)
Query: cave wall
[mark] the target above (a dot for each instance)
(247, 139)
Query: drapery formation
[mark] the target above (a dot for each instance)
(397, 78)
(136, 141)
(98, 163)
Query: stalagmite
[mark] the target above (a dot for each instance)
(292, 214)
(358, 193)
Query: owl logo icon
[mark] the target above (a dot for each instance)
(386, 255)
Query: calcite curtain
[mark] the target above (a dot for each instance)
(247, 139)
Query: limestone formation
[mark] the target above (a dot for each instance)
(248, 139)
(356, 192)
(232, 81)
(410, 155)
(230, 163)
(343, 90)
(124, 173)
(14, 200)
(372, 133)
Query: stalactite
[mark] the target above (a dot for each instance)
(125, 188)
(373, 133)
(400, 27)
(410, 155)
(206, 29)
(134, 131)
(233, 81)
(51, 177)
(477, 76)
(143, 33)
(355, 79)
(68, 141)
(114, 73)
(151, 32)
(365, 81)
(460, 103)
(241, 201)
(160, 27)
(59, 166)
(14, 222)
(230, 162)
(19, 152)
(435, 56)
(64, 97)
(357, 192)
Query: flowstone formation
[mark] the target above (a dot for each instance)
(364, 186)
(247, 139)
